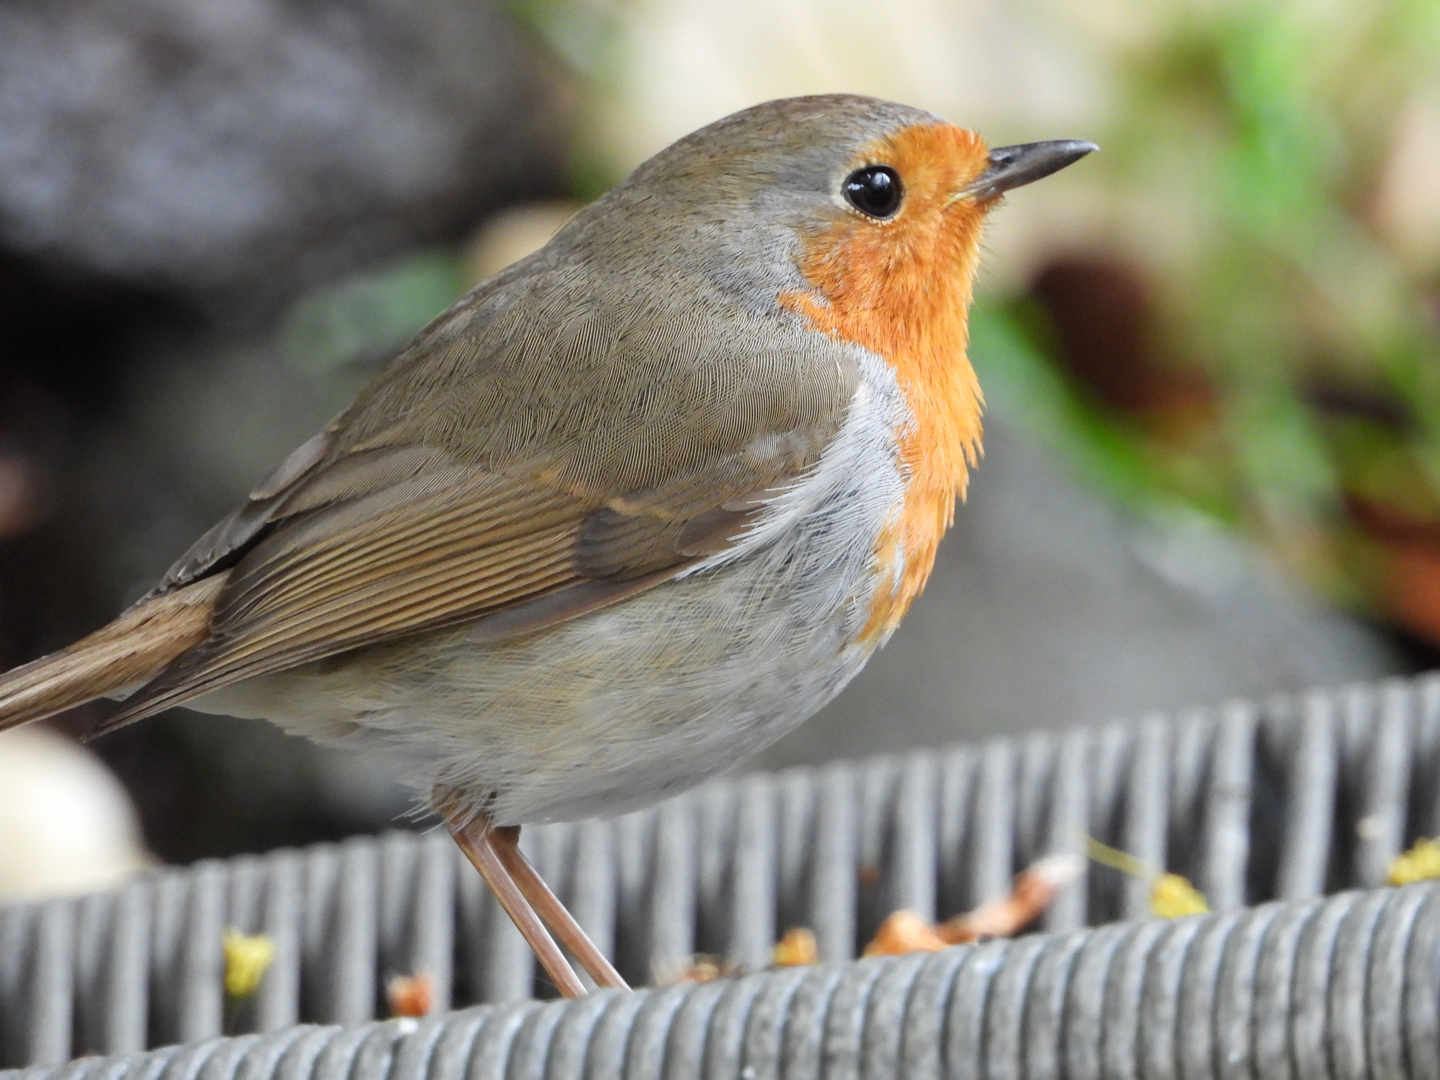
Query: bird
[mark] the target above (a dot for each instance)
(625, 513)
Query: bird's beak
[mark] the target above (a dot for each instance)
(1015, 166)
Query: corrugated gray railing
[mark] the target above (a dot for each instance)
(1291, 800)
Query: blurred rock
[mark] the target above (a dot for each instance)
(237, 150)
(1048, 607)
(66, 826)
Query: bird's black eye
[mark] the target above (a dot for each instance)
(874, 190)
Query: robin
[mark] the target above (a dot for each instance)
(628, 511)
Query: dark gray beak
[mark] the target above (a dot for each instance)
(1016, 166)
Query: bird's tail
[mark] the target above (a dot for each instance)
(115, 659)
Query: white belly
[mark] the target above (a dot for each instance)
(641, 699)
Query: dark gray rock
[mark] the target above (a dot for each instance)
(236, 150)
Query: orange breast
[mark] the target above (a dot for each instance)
(902, 288)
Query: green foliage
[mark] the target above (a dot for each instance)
(1261, 131)
(340, 332)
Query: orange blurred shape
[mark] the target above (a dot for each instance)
(904, 932)
(410, 995)
(1412, 594)
(1035, 890)
(797, 948)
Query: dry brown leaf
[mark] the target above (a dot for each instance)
(1034, 891)
(904, 932)
(701, 968)
(410, 995)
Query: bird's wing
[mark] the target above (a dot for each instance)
(512, 469)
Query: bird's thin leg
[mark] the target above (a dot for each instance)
(474, 835)
(506, 842)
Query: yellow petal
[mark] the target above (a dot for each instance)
(1172, 896)
(246, 958)
(796, 949)
(1420, 863)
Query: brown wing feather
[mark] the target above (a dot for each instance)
(420, 566)
(422, 554)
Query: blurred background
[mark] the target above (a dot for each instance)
(1211, 352)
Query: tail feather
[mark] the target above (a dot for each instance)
(115, 659)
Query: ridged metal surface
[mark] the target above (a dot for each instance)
(1340, 989)
(1300, 797)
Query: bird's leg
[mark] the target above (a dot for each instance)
(475, 836)
(506, 842)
